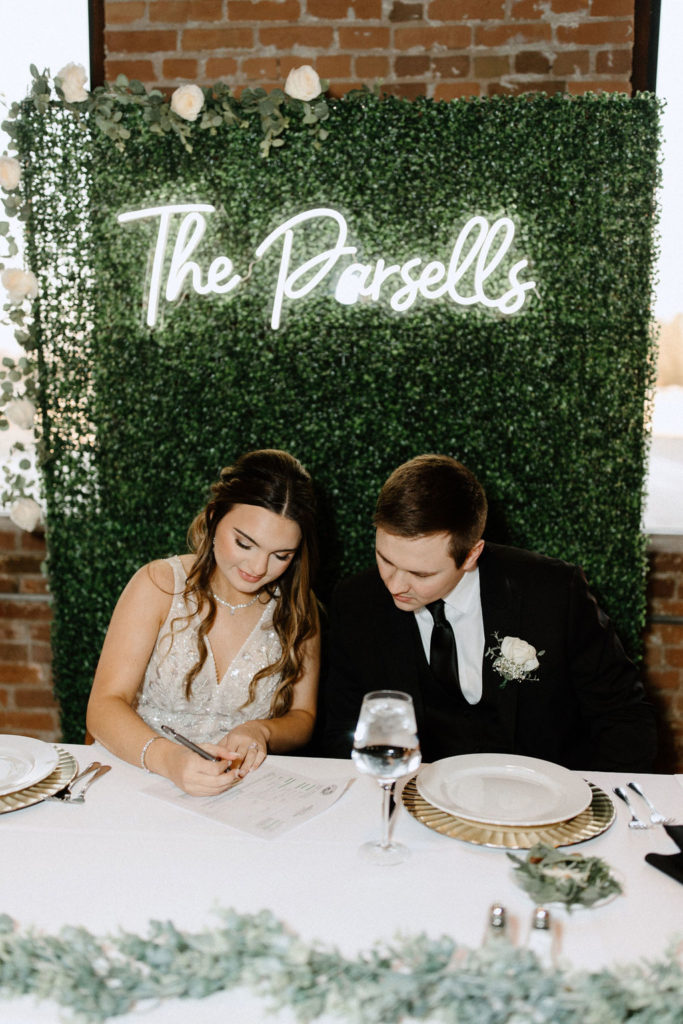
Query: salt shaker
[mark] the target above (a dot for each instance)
(541, 937)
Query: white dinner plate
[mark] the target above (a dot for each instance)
(24, 761)
(503, 789)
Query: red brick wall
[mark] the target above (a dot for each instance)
(27, 706)
(664, 651)
(438, 48)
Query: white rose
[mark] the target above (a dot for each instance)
(187, 101)
(20, 285)
(519, 652)
(72, 78)
(10, 173)
(25, 513)
(21, 412)
(303, 83)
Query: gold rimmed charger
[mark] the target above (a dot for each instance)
(597, 818)
(67, 766)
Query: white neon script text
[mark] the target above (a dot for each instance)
(479, 251)
(190, 233)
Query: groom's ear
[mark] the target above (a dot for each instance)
(470, 562)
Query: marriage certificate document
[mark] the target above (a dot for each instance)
(266, 803)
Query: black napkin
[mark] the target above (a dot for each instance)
(670, 863)
(676, 833)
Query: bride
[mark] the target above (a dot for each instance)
(223, 644)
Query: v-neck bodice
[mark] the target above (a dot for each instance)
(213, 708)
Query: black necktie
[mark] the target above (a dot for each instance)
(443, 655)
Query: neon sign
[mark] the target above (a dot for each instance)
(478, 253)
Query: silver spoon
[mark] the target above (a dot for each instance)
(655, 817)
(635, 821)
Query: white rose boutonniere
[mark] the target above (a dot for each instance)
(25, 513)
(21, 412)
(514, 659)
(187, 101)
(10, 173)
(72, 79)
(20, 285)
(303, 83)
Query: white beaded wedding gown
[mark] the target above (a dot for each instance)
(215, 706)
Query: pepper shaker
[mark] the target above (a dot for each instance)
(496, 928)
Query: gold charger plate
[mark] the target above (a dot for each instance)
(67, 766)
(597, 818)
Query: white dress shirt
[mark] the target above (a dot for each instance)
(463, 610)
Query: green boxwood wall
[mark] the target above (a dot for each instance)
(546, 406)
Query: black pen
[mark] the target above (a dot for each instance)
(190, 745)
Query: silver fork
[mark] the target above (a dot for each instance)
(80, 796)
(64, 794)
(635, 821)
(655, 817)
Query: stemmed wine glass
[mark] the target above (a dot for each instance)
(385, 745)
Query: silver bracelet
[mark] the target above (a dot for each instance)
(144, 750)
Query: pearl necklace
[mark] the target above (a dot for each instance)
(234, 607)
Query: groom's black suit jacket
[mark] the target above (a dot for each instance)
(585, 711)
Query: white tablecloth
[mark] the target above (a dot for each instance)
(124, 858)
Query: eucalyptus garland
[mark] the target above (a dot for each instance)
(418, 978)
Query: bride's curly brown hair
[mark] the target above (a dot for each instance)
(274, 480)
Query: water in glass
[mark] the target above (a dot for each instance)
(386, 746)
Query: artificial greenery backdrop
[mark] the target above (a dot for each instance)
(546, 406)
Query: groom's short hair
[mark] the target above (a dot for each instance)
(434, 494)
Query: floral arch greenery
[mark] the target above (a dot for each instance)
(147, 386)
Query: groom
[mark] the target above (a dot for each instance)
(502, 650)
